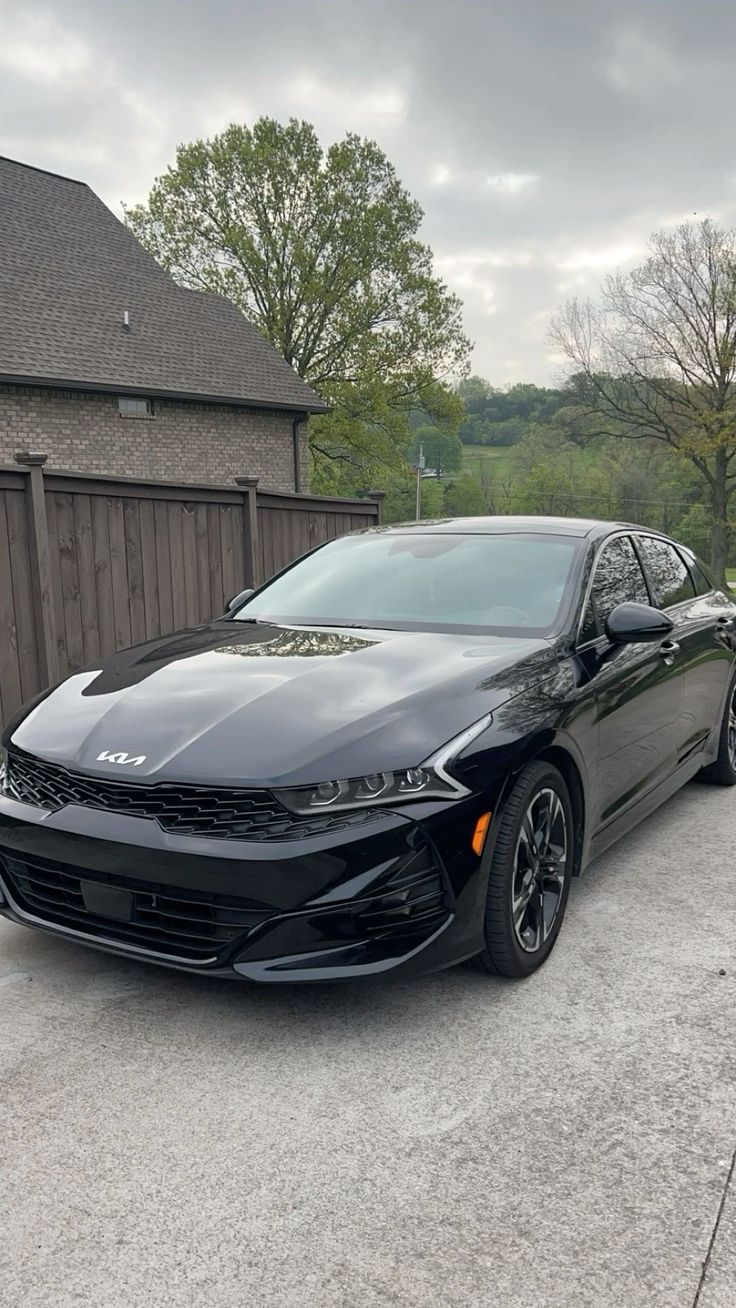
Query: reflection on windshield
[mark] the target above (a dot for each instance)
(438, 581)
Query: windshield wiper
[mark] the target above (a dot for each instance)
(297, 622)
(253, 622)
(333, 626)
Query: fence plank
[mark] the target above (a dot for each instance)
(62, 660)
(321, 527)
(176, 546)
(19, 542)
(85, 558)
(265, 543)
(294, 523)
(119, 573)
(10, 685)
(218, 598)
(228, 546)
(103, 578)
(282, 539)
(189, 542)
(150, 570)
(202, 552)
(72, 607)
(40, 560)
(163, 566)
(134, 562)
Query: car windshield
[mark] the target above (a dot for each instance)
(512, 583)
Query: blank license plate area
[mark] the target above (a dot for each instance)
(107, 901)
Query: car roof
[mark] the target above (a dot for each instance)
(509, 525)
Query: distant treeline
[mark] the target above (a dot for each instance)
(502, 417)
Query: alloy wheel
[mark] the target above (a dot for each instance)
(540, 866)
(732, 730)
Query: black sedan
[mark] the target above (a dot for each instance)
(393, 755)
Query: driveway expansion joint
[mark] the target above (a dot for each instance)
(714, 1232)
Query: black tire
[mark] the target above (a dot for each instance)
(511, 936)
(722, 772)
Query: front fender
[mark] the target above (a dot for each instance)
(549, 719)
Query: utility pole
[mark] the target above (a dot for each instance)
(420, 470)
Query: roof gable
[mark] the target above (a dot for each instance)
(69, 270)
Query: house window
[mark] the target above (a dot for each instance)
(129, 406)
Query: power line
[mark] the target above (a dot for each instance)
(621, 496)
(624, 499)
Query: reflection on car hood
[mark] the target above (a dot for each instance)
(236, 704)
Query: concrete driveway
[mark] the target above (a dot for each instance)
(452, 1141)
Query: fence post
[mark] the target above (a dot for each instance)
(251, 542)
(48, 650)
(378, 497)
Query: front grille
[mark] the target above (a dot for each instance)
(184, 924)
(187, 810)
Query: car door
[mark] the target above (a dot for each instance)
(703, 630)
(638, 690)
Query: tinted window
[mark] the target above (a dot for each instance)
(618, 578)
(703, 583)
(671, 581)
(434, 581)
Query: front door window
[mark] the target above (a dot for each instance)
(618, 579)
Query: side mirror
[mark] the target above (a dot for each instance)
(634, 624)
(238, 599)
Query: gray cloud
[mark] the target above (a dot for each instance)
(545, 139)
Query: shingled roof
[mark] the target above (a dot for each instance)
(69, 270)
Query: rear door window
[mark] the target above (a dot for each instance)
(670, 579)
(701, 580)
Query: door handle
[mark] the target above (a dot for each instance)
(668, 650)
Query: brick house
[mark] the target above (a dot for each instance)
(108, 366)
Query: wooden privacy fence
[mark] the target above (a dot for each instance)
(89, 564)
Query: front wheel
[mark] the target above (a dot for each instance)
(722, 772)
(529, 875)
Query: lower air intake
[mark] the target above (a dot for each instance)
(182, 924)
(413, 901)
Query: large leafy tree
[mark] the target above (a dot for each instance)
(320, 249)
(655, 360)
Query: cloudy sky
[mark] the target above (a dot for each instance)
(545, 139)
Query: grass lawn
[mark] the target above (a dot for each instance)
(731, 576)
(474, 456)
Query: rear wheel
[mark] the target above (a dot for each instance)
(722, 772)
(529, 874)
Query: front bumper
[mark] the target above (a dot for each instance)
(401, 891)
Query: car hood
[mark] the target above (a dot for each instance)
(264, 705)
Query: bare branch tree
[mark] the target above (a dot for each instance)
(655, 359)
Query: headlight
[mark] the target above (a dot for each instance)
(3, 769)
(430, 780)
